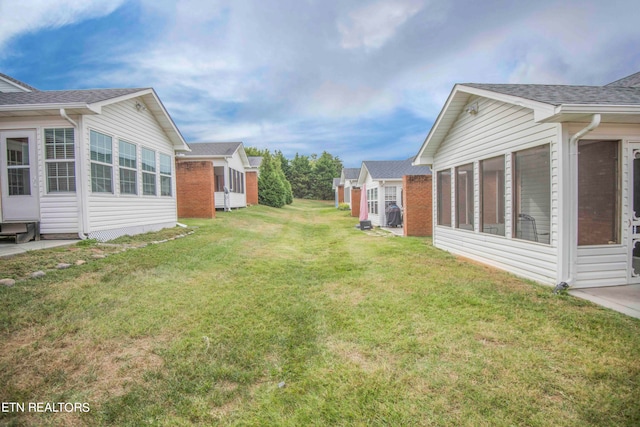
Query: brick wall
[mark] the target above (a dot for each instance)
(355, 202)
(195, 188)
(252, 188)
(417, 203)
(340, 194)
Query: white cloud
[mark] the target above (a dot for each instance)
(370, 26)
(27, 16)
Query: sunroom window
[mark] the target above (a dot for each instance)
(101, 163)
(464, 197)
(492, 195)
(148, 172)
(128, 168)
(444, 197)
(598, 195)
(532, 194)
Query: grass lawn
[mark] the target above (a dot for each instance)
(293, 317)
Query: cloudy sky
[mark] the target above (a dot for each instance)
(363, 80)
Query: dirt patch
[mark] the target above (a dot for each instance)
(37, 362)
(367, 361)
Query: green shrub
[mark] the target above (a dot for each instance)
(344, 207)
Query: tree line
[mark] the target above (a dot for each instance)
(304, 177)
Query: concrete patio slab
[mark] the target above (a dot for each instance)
(624, 299)
(9, 248)
(398, 231)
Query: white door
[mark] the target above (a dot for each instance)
(19, 176)
(634, 215)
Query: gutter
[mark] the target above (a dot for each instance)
(573, 195)
(79, 189)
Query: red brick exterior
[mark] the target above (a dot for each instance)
(417, 203)
(195, 187)
(340, 194)
(355, 202)
(252, 188)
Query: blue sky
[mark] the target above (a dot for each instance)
(361, 79)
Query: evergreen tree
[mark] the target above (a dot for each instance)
(271, 188)
(284, 164)
(300, 179)
(325, 169)
(255, 152)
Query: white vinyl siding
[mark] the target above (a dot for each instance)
(123, 121)
(499, 129)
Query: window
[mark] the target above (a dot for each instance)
(465, 205)
(372, 200)
(148, 172)
(60, 160)
(128, 162)
(218, 171)
(165, 175)
(532, 194)
(598, 195)
(236, 179)
(444, 197)
(18, 173)
(101, 163)
(492, 195)
(390, 196)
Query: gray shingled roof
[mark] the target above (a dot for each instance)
(351, 173)
(394, 169)
(213, 148)
(18, 82)
(630, 81)
(559, 95)
(255, 161)
(87, 96)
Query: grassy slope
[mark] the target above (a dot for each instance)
(362, 329)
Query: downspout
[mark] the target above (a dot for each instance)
(79, 191)
(573, 198)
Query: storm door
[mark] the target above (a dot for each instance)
(19, 176)
(634, 215)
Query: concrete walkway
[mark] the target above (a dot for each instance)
(624, 299)
(9, 248)
(398, 231)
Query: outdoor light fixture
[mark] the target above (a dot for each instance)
(472, 109)
(140, 106)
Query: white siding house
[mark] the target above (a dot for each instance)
(89, 163)
(230, 163)
(382, 180)
(540, 180)
(349, 180)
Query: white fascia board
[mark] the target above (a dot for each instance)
(362, 176)
(243, 156)
(581, 109)
(430, 136)
(88, 109)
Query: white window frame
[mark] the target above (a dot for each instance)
(123, 167)
(166, 175)
(67, 158)
(101, 163)
(149, 170)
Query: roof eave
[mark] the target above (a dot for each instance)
(76, 107)
(577, 112)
